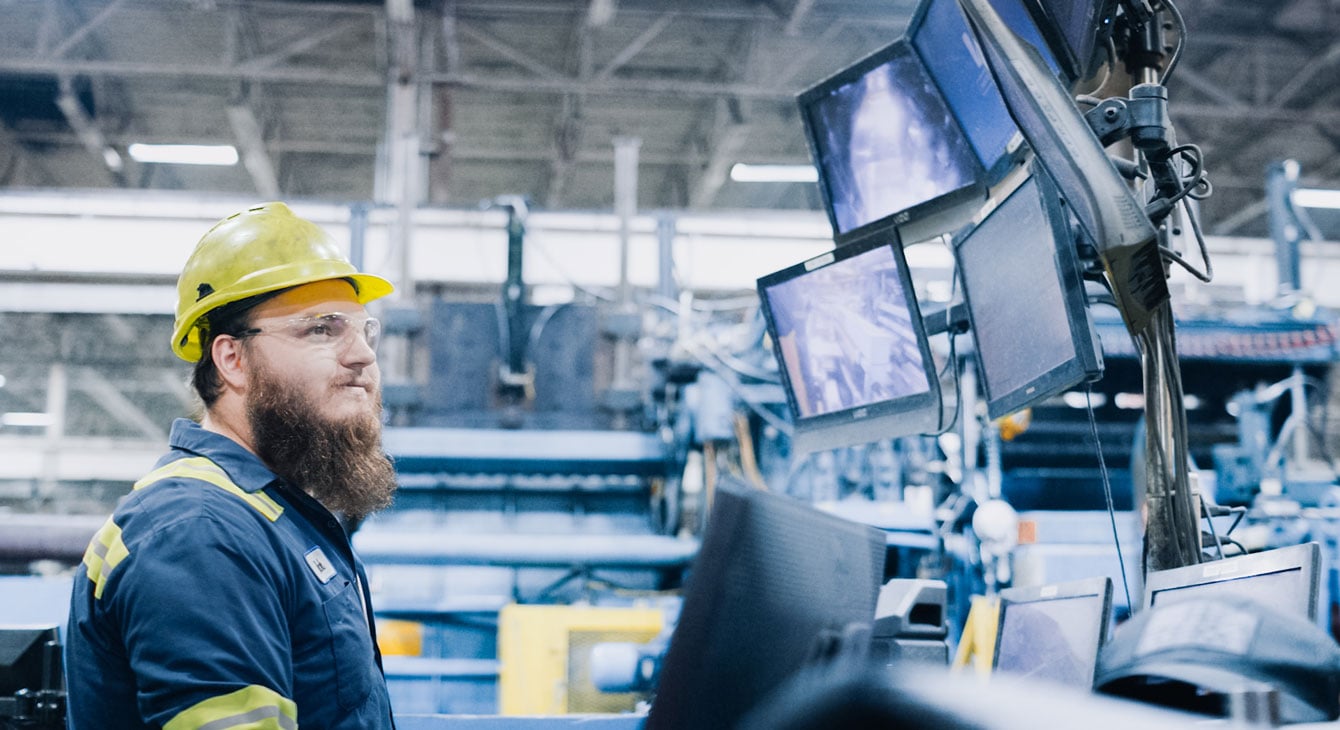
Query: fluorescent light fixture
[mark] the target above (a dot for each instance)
(742, 172)
(1316, 198)
(1076, 399)
(185, 154)
(31, 420)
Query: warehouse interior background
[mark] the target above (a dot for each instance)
(433, 138)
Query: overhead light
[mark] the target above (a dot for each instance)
(185, 154)
(744, 172)
(1316, 198)
(113, 159)
(599, 13)
(30, 420)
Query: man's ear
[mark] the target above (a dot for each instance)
(230, 362)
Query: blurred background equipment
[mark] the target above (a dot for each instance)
(32, 686)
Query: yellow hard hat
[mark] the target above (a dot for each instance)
(261, 249)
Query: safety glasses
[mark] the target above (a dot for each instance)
(335, 331)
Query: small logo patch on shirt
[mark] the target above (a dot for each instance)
(316, 560)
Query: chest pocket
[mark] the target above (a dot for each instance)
(350, 647)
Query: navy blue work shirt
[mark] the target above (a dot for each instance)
(216, 594)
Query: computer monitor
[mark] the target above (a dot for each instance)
(852, 349)
(1105, 207)
(939, 32)
(888, 150)
(1054, 632)
(1075, 30)
(1286, 579)
(775, 584)
(25, 661)
(1025, 299)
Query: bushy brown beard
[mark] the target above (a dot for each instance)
(340, 463)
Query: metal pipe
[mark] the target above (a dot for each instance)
(625, 203)
(625, 206)
(46, 537)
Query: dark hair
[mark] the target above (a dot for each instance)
(230, 319)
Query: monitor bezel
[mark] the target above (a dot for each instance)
(1086, 365)
(28, 671)
(1082, 588)
(922, 221)
(1075, 67)
(915, 413)
(1305, 557)
(737, 525)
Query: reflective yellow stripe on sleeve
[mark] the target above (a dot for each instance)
(251, 708)
(198, 467)
(105, 551)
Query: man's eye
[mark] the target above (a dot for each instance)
(320, 330)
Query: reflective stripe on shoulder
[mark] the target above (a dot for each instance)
(251, 708)
(105, 551)
(198, 467)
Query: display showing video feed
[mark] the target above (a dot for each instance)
(846, 336)
(887, 142)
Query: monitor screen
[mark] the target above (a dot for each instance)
(1054, 632)
(887, 147)
(851, 346)
(1286, 579)
(774, 580)
(1105, 207)
(1021, 282)
(947, 48)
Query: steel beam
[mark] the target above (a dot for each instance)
(251, 142)
(799, 12)
(508, 52)
(117, 405)
(628, 52)
(300, 43)
(82, 32)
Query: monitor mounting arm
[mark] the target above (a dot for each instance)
(1172, 510)
(1143, 117)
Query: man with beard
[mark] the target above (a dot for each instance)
(223, 591)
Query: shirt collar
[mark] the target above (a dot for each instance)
(243, 467)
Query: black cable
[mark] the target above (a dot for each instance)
(1194, 220)
(953, 362)
(1193, 179)
(1157, 341)
(958, 396)
(1173, 375)
(1242, 549)
(1107, 491)
(1219, 546)
(1181, 41)
(1174, 257)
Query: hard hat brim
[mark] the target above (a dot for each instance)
(186, 342)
